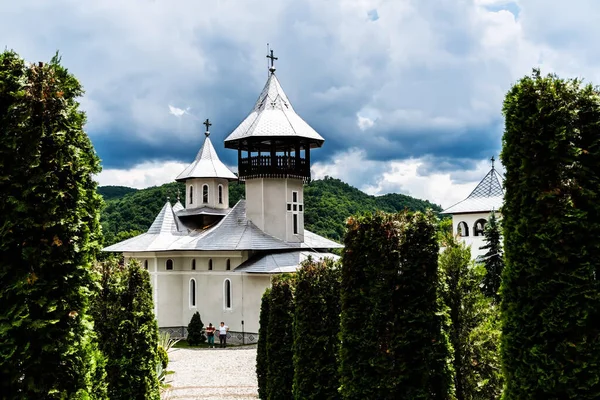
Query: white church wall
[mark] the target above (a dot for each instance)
(266, 206)
(172, 289)
(196, 186)
(471, 240)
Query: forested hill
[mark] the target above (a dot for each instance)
(328, 202)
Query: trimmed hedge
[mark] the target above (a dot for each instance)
(551, 218)
(280, 338)
(393, 346)
(262, 360)
(316, 328)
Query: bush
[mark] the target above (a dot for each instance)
(551, 218)
(163, 357)
(280, 338)
(195, 330)
(389, 290)
(49, 237)
(262, 360)
(316, 329)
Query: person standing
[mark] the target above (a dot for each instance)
(223, 334)
(210, 334)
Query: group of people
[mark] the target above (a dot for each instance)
(210, 334)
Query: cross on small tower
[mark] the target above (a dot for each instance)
(207, 124)
(492, 159)
(273, 58)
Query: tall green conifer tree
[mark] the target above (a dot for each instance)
(392, 345)
(474, 340)
(280, 338)
(262, 359)
(551, 217)
(49, 235)
(316, 329)
(493, 259)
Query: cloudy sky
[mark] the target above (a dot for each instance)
(407, 93)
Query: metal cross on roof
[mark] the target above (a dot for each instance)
(273, 58)
(492, 159)
(207, 124)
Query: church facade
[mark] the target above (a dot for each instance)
(470, 215)
(205, 256)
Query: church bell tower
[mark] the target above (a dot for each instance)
(274, 146)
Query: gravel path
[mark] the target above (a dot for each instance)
(212, 374)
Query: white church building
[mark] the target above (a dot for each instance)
(217, 260)
(470, 215)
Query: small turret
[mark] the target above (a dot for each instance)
(207, 178)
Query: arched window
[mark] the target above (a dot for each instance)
(194, 264)
(145, 264)
(205, 193)
(227, 294)
(192, 292)
(169, 265)
(479, 227)
(210, 264)
(228, 265)
(220, 194)
(463, 229)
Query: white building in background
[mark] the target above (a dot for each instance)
(470, 215)
(218, 260)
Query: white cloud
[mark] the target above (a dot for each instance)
(382, 177)
(152, 173)
(178, 112)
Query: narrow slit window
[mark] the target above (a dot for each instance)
(220, 194)
(227, 294)
(295, 197)
(194, 264)
(295, 224)
(228, 265)
(145, 264)
(169, 265)
(191, 195)
(205, 193)
(210, 264)
(192, 293)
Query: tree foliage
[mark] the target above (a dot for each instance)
(551, 219)
(328, 203)
(262, 359)
(468, 311)
(316, 328)
(493, 259)
(392, 346)
(125, 323)
(280, 338)
(195, 330)
(49, 235)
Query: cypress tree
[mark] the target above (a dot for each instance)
(493, 259)
(551, 218)
(125, 323)
(262, 361)
(393, 346)
(316, 328)
(195, 335)
(468, 311)
(280, 338)
(49, 235)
